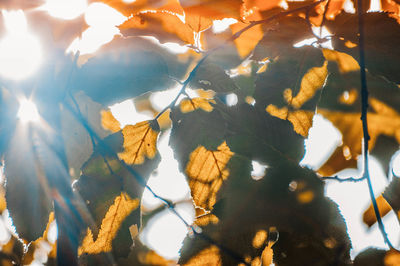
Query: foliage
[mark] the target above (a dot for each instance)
(279, 88)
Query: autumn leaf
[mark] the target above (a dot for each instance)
(217, 9)
(189, 105)
(345, 62)
(380, 47)
(300, 119)
(139, 142)
(122, 207)
(384, 121)
(206, 172)
(208, 256)
(249, 39)
(283, 94)
(109, 122)
(138, 66)
(210, 76)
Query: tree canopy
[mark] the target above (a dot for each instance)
(282, 63)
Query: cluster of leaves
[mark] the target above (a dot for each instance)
(279, 88)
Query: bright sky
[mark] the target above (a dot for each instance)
(21, 55)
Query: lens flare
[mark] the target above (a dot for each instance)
(20, 51)
(27, 111)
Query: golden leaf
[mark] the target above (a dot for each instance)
(206, 171)
(123, 205)
(312, 81)
(384, 207)
(208, 256)
(345, 62)
(392, 258)
(384, 121)
(300, 119)
(206, 219)
(29, 255)
(140, 141)
(189, 105)
(109, 122)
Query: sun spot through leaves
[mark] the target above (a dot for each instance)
(206, 171)
(123, 205)
(140, 141)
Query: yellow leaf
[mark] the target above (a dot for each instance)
(345, 62)
(109, 122)
(122, 207)
(189, 105)
(206, 219)
(207, 171)
(384, 121)
(392, 258)
(300, 119)
(140, 141)
(208, 256)
(312, 81)
(384, 207)
(338, 161)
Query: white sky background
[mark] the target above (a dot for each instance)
(21, 54)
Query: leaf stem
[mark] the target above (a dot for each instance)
(364, 114)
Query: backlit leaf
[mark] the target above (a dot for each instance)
(122, 207)
(384, 121)
(109, 122)
(210, 76)
(380, 47)
(249, 39)
(139, 142)
(189, 105)
(207, 171)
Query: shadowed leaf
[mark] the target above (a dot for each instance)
(122, 207)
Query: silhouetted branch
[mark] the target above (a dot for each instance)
(364, 113)
(339, 179)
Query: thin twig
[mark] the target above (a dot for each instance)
(143, 183)
(364, 113)
(339, 179)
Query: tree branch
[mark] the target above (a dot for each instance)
(364, 113)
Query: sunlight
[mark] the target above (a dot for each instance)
(223, 24)
(102, 20)
(65, 9)
(20, 51)
(27, 111)
(259, 170)
(126, 114)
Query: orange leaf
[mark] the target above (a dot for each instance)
(250, 38)
(208, 256)
(139, 142)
